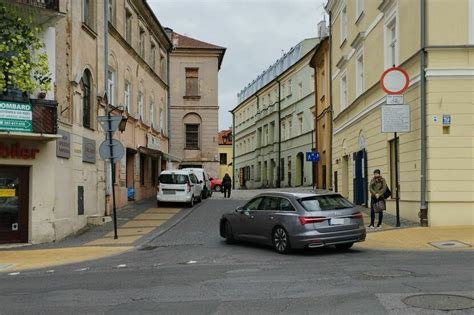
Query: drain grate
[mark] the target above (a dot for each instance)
(442, 302)
(387, 273)
(449, 244)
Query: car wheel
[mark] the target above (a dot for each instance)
(191, 203)
(280, 239)
(229, 236)
(217, 188)
(344, 246)
(204, 194)
(200, 198)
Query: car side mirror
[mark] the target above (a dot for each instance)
(239, 209)
(200, 182)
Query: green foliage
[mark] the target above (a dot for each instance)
(23, 65)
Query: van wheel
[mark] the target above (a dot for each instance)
(200, 198)
(191, 203)
(204, 194)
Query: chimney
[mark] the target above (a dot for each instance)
(322, 29)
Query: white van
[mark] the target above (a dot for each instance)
(178, 186)
(206, 182)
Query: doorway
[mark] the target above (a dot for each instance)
(299, 169)
(289, 171)
(360, 177)
(345, 176)
(14, 202)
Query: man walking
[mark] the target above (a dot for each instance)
(378, 187)
(227, 185)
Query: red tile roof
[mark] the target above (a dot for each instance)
(182, 41)
(227, 134)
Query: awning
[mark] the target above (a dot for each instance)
(150, 152)
(29, 136)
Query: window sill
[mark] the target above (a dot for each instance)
(192, 149)
(188, 97)
(343, 43)
(89, 30)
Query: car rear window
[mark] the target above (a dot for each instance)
(178, 179)
(327, 202)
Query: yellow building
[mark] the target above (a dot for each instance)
(224, 138)
(434, 42)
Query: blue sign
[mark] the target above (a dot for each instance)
(446, 120)
(312, 156)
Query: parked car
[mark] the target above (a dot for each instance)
(206, 183)
(295, 220)
(178, 186)
(216, 184)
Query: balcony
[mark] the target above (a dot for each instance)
(43, 12)
(43, 4)
(43, 124)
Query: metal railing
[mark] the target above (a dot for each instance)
(45, 4)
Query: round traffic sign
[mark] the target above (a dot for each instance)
(118, 151)
(394, 80)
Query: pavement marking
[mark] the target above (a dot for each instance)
(153, 216)
(121, 266)
(13, 273)
(418, 238)
(43, 258)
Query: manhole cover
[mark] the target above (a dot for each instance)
(442, 302)
(449, 244)
(387, 273)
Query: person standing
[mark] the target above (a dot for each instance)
(378, 187)
(227, 185)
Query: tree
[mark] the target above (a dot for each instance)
(23, 63)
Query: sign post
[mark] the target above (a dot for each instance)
(313, 157)
(395, 115)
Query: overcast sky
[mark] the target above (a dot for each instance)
(254, 32)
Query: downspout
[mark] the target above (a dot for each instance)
(314, 146)
(423, 204)
(233, 150)
(279, 136)
(108, 165)
(168, 111)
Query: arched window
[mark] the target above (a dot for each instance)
(152, 112)
(192, 124)
(86, 99)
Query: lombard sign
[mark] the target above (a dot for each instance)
(15, 116)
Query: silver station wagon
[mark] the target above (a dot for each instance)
(295, 220)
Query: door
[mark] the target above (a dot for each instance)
(14, 201)
(360, 177)
(263, 219)
(245, 219)
(299, 169)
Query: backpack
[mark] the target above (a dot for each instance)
(387, 194)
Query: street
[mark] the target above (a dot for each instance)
(190, 270)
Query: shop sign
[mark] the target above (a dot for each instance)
(14, 151)
(153, 142)
(5, 193)
(88, 150)
(63, 145)
(15, 116)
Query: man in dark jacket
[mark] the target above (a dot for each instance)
(378, 187)
(227, 185)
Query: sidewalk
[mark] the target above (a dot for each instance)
(137, 223)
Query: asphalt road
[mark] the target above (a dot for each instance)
(190, 270)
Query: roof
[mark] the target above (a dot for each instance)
(227, 134)
(185, 42)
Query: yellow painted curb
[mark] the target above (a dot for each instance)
(419, 238)
(18, 260)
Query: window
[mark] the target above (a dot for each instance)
(269, 99)
(140, 105)
(112, 11)
(282, 168)
(88, 12)
(192, 136)
(300, 90)
(359, 9)
(128, 27)
(259, 170)
(343, 91)
(325, 202)
(323, 84)
(285, 205)
(391, 42)
(360, 74)
(223, 158)
(283, 131)
(152, 113)
(142, 169)
(86, 99)
(153, 56)
(343, 25)
(252, 173)
(253, 204)
(289, 88)
(269, 203)
(300, 124)
(266, 135)
(162, 65)
(393, 149)
(283, 86)
(162, 123)
(192, 82)
(111, 86)
(126, 96)
(142, 43)
(288, 130)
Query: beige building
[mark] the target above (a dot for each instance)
(225, 152)
(194, 67)
(434, 42)
(61, 185)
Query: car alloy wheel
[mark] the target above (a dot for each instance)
(281, 243)
(229, 236)
(217, 188)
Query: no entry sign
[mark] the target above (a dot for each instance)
(394, 80)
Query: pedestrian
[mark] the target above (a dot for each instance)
(227, 185)
(378, 189)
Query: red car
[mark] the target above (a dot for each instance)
(216, 184)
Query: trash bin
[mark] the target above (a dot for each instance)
(131, 194)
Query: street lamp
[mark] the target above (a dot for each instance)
(123, 123)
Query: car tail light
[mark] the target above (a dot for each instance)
(188, 188)
(306, 220)
(357, 215)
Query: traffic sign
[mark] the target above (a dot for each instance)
(394, 80)
(114, 122)
(118, 151)
(312, 156)
(395, 99)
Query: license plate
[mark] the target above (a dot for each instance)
(337, 221)
(169, 192)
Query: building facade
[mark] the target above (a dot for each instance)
(322, 112)
(273, 124)
(433, 42)
(194, 109)
(67, 183)
(225, 152)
